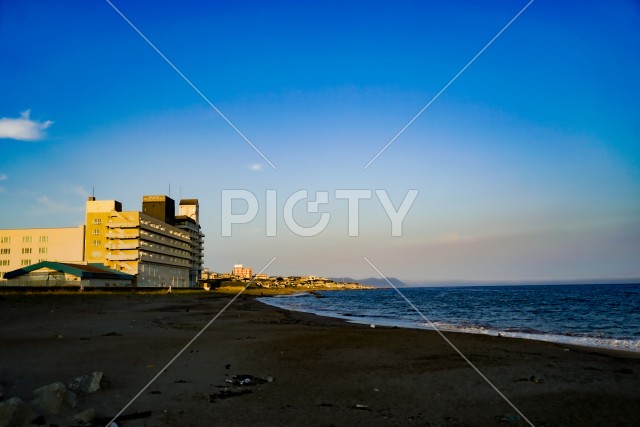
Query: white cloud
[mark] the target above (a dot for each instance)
(48, 206)
(76, 190)
(255, 167)
(23, 128)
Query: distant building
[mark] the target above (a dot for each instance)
(23, 247)
(242, 272)
(67, 274)
(144, 244)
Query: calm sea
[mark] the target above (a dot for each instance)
(591, 315)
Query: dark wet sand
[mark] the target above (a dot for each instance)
(326, 372)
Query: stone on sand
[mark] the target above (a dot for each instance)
(84, 417)
(88, 383)
(54, 398)
(15, 412)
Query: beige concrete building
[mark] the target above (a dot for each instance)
(22, 247)
(146, 245)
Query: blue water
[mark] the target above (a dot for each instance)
(590, 315)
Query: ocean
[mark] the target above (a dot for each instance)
(591, 315)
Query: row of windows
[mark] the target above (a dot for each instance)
(97, 221)
(164, 248)
(25, 239)
(22, 262)
(163, 257)
(7, 251)
(163, 238)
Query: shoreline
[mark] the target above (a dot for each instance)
(323, 370)
(619, 352)
(383, 317)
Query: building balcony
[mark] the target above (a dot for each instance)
(122, 235)
(121, 225)
(121, 256)
(156, 259)
(121, 245)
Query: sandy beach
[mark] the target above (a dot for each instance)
(261, 366)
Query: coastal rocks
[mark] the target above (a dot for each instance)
(15, 412)
(54, 399)
(53, 404)
(84, 417)
(89, 383)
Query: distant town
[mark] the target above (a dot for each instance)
(245, 275)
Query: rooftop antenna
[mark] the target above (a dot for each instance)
(169, 189)
(93, 191)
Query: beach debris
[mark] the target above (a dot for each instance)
(376, 389)
(360, 406)
(227, 366)
(54, 398)
(245, 380)
(112, 334)
(508, 418)
(532, 379)
(326, 405)
(239, 385)
(84, 417)
(155, 392)
(180, 381)
(89, 383)
(623, 371)
(373, 326)
(57, 335)
(228, 392)
(16, 412)
(134, 416)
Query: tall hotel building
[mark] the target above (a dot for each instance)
(157, 247)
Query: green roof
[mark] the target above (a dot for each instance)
(83, 271)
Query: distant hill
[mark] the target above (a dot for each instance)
(373, 281)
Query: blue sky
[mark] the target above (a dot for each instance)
(527, 166)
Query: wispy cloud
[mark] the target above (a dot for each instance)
(255, 167)
(47, 206)
(456, 238)
(23, 128)
(3, 177)
(76, 190)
